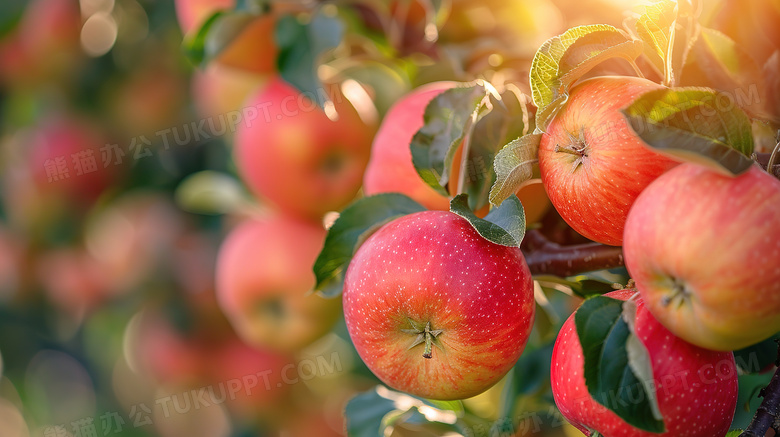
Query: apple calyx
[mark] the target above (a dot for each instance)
(679, 294)
(272, 308)
(577, 146)
(424, 335)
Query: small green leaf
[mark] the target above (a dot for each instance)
(365, 414)
(655, 28)
(594, 48)
(504, 123)
(585, 285)
(301, 46)
(610, 356)
(530, 374)
(11, 14)
(735, 433)
(504, 225)
(691, 124)
(349, 230)
(754, 359)
(718, 62)
(447, 119)
(374, 413)
(197, 48)
(563, 59)
(210, 192)
(454, 406)
(514, 165)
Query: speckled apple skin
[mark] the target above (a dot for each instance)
(719, 237)
(434, 267)
(594, 198)
(696, 388)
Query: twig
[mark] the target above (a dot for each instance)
(545, 257)
(769, 412)
(765, 161)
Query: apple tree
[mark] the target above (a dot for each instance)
(596, 235)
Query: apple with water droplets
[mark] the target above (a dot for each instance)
(436, 310)
(696, 389)
(592, 164)
(703, 249)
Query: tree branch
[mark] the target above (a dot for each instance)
(545, 257)
(768, 412)
(763, 160)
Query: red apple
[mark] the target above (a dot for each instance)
(261, 372)
(254, 49)
(297, 158)
(264, 280)
(74, 281)
(162, 354)
(592, 164)
(150, 99)
(696, 388)
(436, 310)
(44, 47)
(132, 236)
(391, 169)
(219, 89)
(192, 13)
(66, 159)
(703, 249)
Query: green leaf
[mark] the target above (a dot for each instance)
(504, 123)
(530, 374)
(563, 59)
(514, 165)
(301, 46)
(504, 225)
(754, 359)
(354, 224)
(365, 414)
(693, 125)
(454, 406)
(655, 28)
(614, 363)
(198, 48)
(718, 62)
(584, 285)
(11, 14)
(210, 192)
(594, 48)
(735, 433)
(374, 413)
(448, 117)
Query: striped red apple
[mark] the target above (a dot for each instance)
(703, 249)
(696, 388)
(436, 310)
(592, 164)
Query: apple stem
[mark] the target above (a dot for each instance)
(428, 346)
(423, 335)
(679, 293)
(570, 151)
